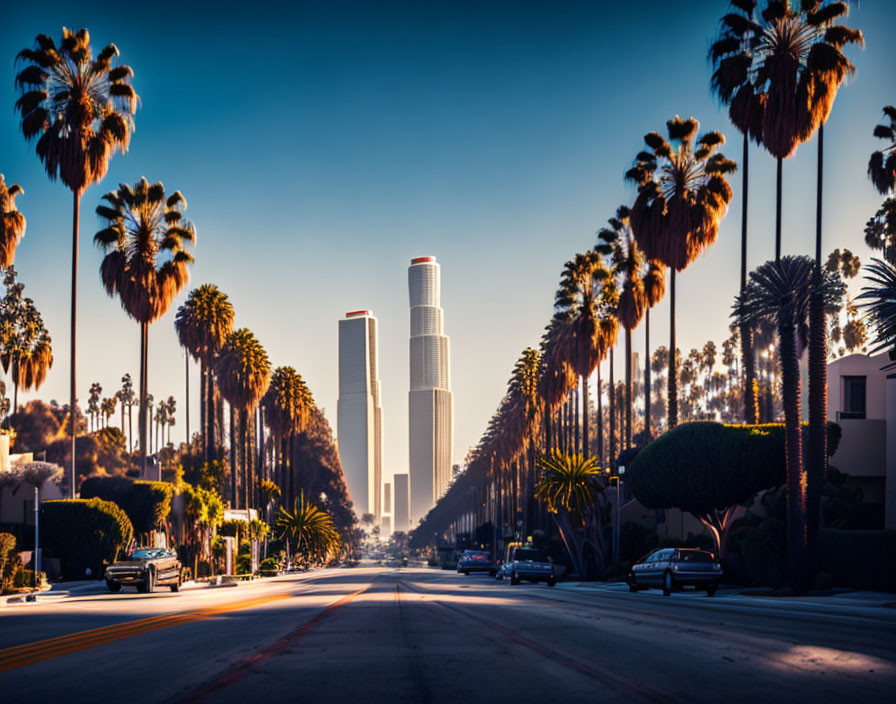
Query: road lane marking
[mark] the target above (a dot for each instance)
(241, 668)
(38, 651)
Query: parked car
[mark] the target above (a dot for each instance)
(476, 561)
(145, 569)
(530, 564)
(674, 568)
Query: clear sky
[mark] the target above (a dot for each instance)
(321, 147)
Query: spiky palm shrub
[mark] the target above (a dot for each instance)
(572, 485)
(146, 262)
(244, 373)
(682, 197)
(780, 292)
(287, 408)
(12, 222)
(879, 300)
(80, 110)
(202, 323)
(310, 530)
(642, 286)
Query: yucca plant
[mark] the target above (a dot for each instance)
(79, 109)
(683, 195)
(146, 262)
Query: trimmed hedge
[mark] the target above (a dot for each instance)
(861, 559)
(84, 533)
(147, 503)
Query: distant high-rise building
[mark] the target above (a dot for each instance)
(430, 432)
(401, 496)
(386, 523)
(359, 416)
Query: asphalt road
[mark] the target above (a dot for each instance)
(372, 635)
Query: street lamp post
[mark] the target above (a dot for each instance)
(617, 533)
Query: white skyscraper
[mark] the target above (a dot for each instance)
(430, 431)
(359, 416)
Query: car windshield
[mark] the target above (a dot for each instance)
(695, 556)
(533, 555)
(146, 554)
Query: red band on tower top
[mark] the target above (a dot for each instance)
(357, 312)
(420, 260)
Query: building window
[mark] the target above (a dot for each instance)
(853, 397)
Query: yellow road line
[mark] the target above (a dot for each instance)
(31, 653)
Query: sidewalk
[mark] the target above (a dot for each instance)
(64, 590)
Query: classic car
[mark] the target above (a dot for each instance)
(145, 568)
(673, 568)
(530, 564)
(476, 561)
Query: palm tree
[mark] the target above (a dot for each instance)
(310, 530)
(585, 324)
(12, 222)
(244, 373)
(643, 285)
(287, 408)
(202, 323)
(107, 408)
(879, 300)
(93, 403)
(524, 382)
(570, 486)
(125, 396)
(780, 292)
(881, 165)
(682, 198)
(80, 109)
(731, 55)
(146, 262)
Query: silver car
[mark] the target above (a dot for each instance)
(527, 563)
(674, 568)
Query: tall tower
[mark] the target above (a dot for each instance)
(359, 416)
(430, 431)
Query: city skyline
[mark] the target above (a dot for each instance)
(487, 141)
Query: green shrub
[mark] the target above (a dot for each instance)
(85, 534)
(764, 555)
(617, 571)
(861, 559)
(10, 563)
(146, 503)
(269, 564)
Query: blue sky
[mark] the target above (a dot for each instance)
(322, 147)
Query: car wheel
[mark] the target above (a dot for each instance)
(711, 588)
(499, 577)
(552, 580)
(149, 581)
(632, 584)
(114, 587)
(514, 578)
(176, 586)
(668, 584)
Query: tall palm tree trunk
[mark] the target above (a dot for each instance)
(817, 456)
(796, 500)
(233, 467)
(647, 374)
(586, 409)
(672, 381)
(291, 469)
(76, 217)
(751, 390)
(628, 389)
(612, 458)
(187, 402)
(203, 408)
(600, 418)
(211, 452)
(141, 415)
(778, 210)
(575, 415)
(244, 452)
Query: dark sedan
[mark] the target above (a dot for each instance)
(674, 568)
(145, 569)
(476, 561)
(527, 563)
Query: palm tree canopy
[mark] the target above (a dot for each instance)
(780, 72)
(881, 166)
(568, 482)
(879, 300)
(145, 243)
(26, 351)
(287, 403)
(779, 292)
(243, 369)
(682, 193)
(204, 321)
(880, 230)
(12, 222)
(79, 108)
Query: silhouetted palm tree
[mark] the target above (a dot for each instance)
(682, 198)
(80, 109)
(244, 373)
(287, 407)
(146, 262)
(12, 222)
(882, 164)
(879, 300)
(780, 292)
(202, 323)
